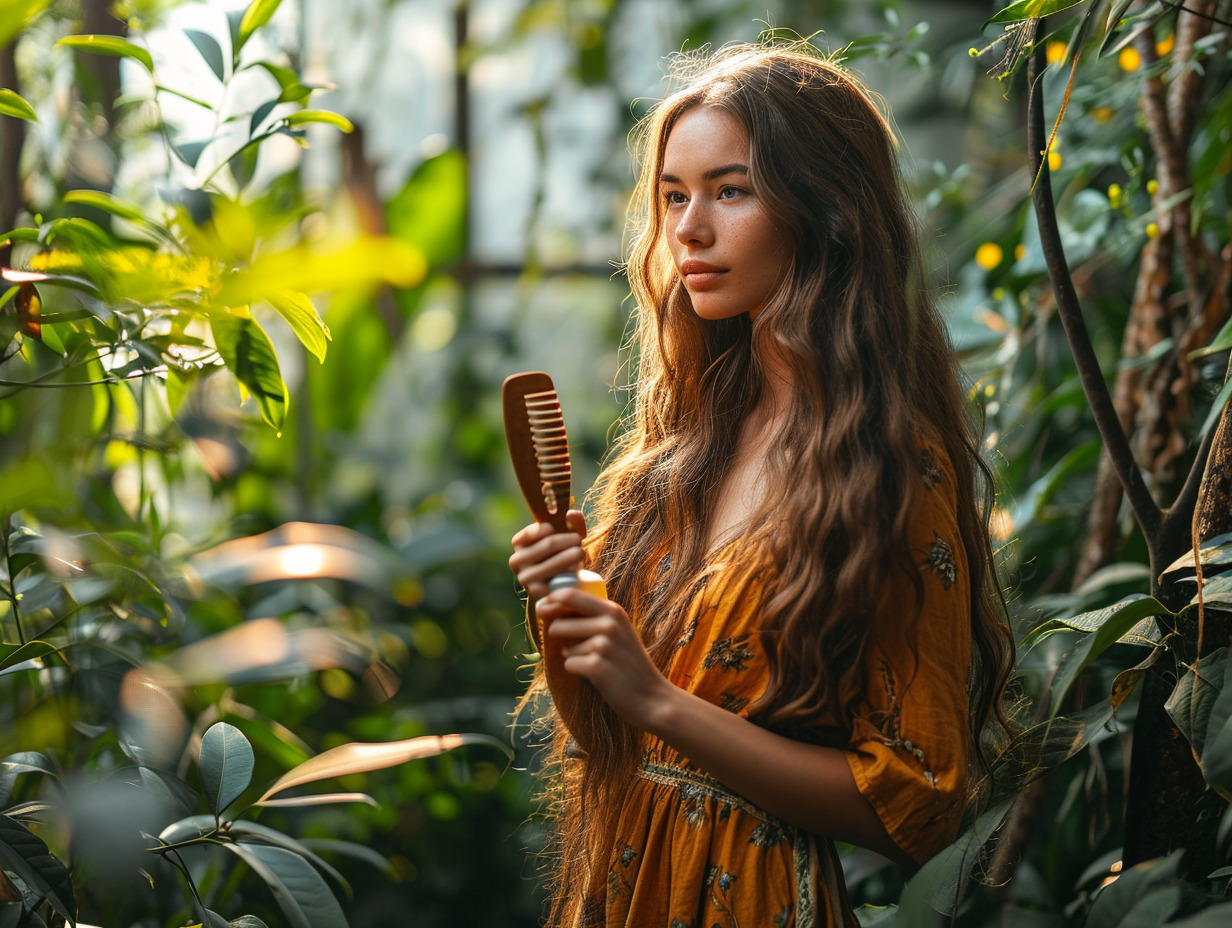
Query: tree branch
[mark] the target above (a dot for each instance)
(1146, 512)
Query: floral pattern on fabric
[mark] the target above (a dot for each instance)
(692, 854)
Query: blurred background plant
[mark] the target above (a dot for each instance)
(269, 266)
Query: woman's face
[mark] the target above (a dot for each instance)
(726, 246)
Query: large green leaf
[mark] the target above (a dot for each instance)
(109, 45)
(1098, 630)
(16, 764)
(1217, 550)
(429, 211)
(248, 354)
(12, 104)
(358, 758)
(302, 894)
(24, 854)
(256, 833)
(1201, 707)
(303, 319)
(226, 765)
(940, 885)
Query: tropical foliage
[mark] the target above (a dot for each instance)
(252, 476)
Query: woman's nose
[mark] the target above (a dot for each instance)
(694, 227)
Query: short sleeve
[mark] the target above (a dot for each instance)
(908, 744)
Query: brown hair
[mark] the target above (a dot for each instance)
(869, 357)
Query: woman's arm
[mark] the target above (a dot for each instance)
(806, 785)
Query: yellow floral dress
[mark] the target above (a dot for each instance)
(693, 854)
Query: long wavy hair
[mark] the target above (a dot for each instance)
(872, 370)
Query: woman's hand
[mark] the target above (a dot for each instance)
(540, 553)
(600, 644)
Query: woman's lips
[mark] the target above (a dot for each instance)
(699, 275)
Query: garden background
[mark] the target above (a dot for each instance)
(267, 268)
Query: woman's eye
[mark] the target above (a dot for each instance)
(730, 193)
(674, 197)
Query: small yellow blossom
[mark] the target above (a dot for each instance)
(1055, 52)
(1152, 230)
(1020, 251)
(1115, 195)
(1165, 45)
(1129, 59)
(1152, 186)
(1101, 114)
(1054, 160)
(988, 255)
(990, 390)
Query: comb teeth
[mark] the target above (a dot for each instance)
(547, 430)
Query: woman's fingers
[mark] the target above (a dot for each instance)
(540, 553)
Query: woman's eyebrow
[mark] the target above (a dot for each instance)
(712, 174)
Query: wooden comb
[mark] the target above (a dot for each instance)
(538, 446)
(539, 449)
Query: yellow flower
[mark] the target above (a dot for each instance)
(1163, 47)
(1129, 59)
(1152, 230)
(1101, 114)
(1114, 195)
(988, 255)
(1054, 52)
(1054, 160)
(1152, 186)
(1020, 251)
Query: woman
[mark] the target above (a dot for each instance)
(802, 643)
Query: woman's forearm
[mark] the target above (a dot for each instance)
(806, 785)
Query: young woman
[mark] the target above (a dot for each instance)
(802, 643)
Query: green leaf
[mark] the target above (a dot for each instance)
(11, 104)
(256, 833)
(1145, 895)
(941, 884)
(429, 211)
(189, 829)
(351, 849)
(22, 653)
(1221, 342)
(1101, 629)
(292, 89)
(325, 116)
(1201, 707)
(210, 50)
(1217, 550)
(248, 921)
(257, 15)
(109, 45)
(358, 758)
(107, 202)
(248, 354)
(24, 854)
(226, 765)
(1032, 9)
(16, 15)
(16, 764)
(300, 891)
(303, 319)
